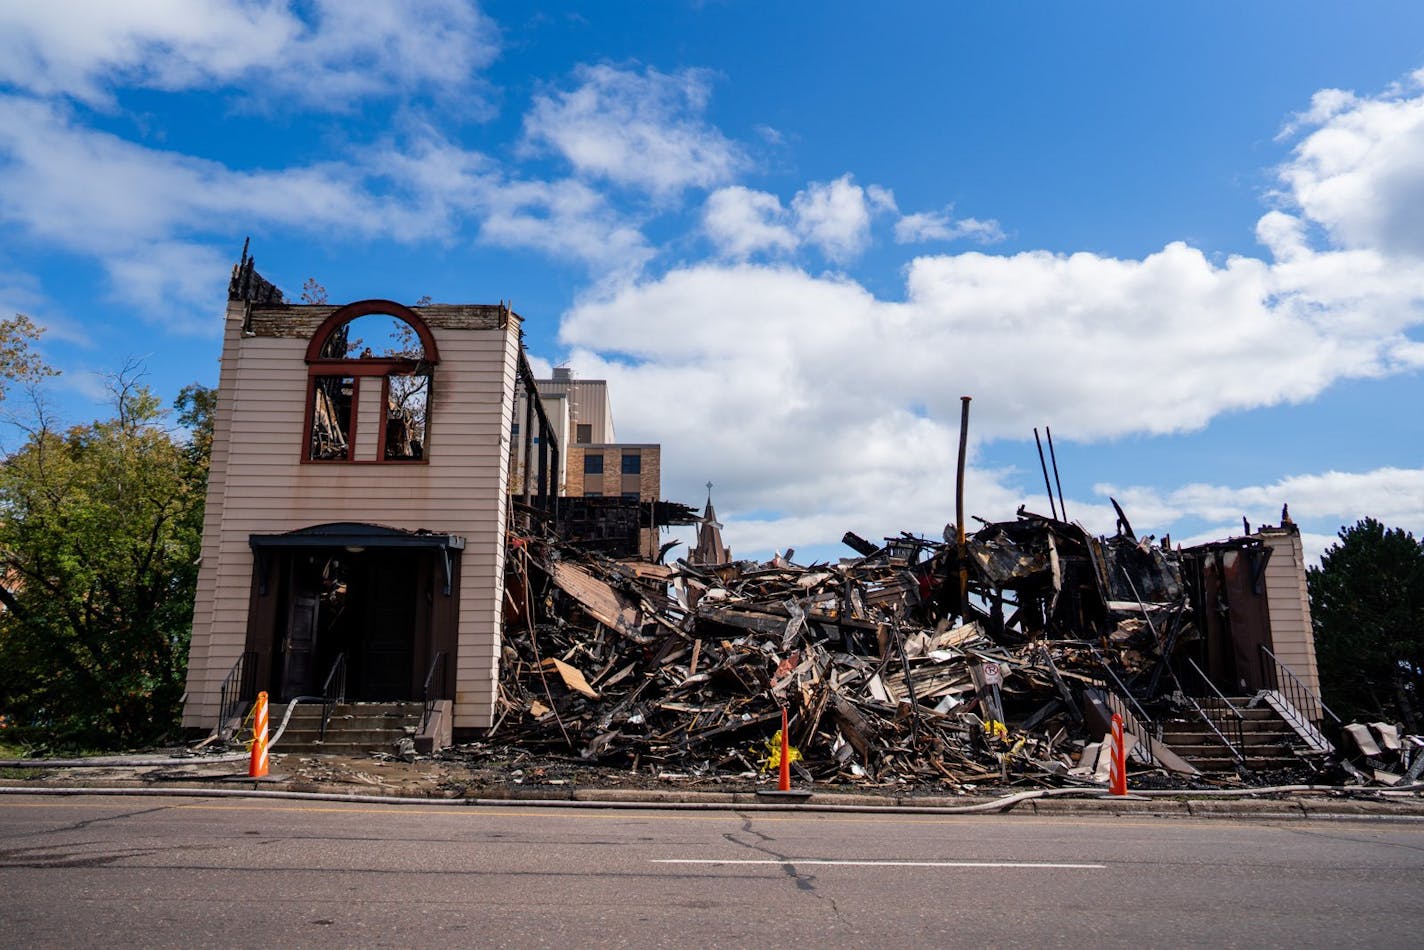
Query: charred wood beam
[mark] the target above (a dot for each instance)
(548, 440)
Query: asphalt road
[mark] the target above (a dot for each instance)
(188, 872)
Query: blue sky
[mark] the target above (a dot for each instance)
(791, 235)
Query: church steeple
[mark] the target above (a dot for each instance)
(709, 548)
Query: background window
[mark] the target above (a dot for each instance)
(584, 435)
(631, 494)
(593, 494)
(632, 464)
(593, 464)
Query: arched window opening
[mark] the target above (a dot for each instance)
(375, 343)
(373, 336)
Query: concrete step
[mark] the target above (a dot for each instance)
(1260, 714)
(348, 735)
(364, 709)
(1188, 750)
(1267, 741)
(335, 747)
(1188, 736)
(352, 728)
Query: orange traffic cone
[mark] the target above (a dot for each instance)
(257, 764)
(783, 778)
(1117, 772)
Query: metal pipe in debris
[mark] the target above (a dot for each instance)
(1062, 502)
(1047, 486)
(959, 508)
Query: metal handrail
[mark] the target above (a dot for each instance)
(435, 675)
(1233, 724)
(1296, 690)
(236, 688)
(333, 691)
(1126, 694)
(1235, 753)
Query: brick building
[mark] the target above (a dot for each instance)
(593, 464)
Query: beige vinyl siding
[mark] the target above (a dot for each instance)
(264, 487)
(1288, 603)
(204, 711)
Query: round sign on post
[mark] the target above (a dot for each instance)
(993, 676)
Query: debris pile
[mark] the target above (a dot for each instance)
(918, 661)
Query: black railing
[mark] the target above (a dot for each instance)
(434, 686)
(1283, 680)
(1117, 687)
(333, 691)
(1120, 700)
(238, 688)
(1219, 713)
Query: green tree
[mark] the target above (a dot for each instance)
(197, 404)
(99, 544)
(1367, 605)
(19, 363)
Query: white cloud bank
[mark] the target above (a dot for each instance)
(833, 217)
(338, 51)
(148, 214)
(642, 130)
(809, 400)
(1358, 174)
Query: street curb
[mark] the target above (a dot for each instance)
(1091, 805)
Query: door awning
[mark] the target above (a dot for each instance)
(355, 537)
(349, 534)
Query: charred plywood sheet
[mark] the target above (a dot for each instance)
(599, 599)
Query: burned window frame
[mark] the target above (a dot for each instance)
(360, 369)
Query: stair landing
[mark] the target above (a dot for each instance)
(354, 728)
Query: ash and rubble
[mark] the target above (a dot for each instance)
(918, 662)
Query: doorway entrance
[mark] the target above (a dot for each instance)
(383, 609)
(362, 607)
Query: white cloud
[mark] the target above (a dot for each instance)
(325, 52)
(643, 130)
(1392, 495)
(563, 218)
(97, 192)
(1360, 173)
(151, 216)
(91, 384)
(742, 222)
(943, 226)
(816, 406)
(835, 216)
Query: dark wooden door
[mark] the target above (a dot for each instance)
(386, 582)
(299, 647)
